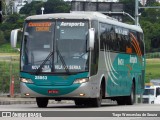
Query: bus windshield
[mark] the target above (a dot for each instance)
(55, 47)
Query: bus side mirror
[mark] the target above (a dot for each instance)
(14, 36)
(91, 38)
(157, 91)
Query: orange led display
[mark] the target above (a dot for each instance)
(39, 24)
(41, 29)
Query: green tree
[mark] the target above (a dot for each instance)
(150, 22)
(12, 22)
(51, 6)
(147, 29)
(56, 6)
(150, 2)
(30, 9)
(129, 6)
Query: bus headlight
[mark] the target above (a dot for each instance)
(81, 80)
(25, 80)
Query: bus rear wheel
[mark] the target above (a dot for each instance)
(127, 100)
(121, 101)
(42, 102)
(131, 99)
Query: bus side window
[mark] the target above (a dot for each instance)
(140, 38)
(105, 36)
(134, 42)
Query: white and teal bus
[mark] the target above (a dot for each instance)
(80, 56)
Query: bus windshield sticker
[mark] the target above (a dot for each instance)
(121, 31)
(46, 68)
(71, 67)
(128, 50)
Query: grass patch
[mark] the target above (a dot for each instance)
(152, 69)
(8, 69)
(6, 48)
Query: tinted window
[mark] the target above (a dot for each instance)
(119, 39)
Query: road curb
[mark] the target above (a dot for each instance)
(10, 101)
(16, 102)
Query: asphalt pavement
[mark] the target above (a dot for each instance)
(7, 100)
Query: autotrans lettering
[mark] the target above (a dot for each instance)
(71, 67)
(133, 59)
(72, 24)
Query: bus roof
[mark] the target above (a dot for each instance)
(85, 15)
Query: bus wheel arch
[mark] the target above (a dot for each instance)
(103, 85)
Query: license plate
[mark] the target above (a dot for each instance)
(53, 91)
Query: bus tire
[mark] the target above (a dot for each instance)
(131, 98)
(42, 102)
(121, 101)
(96, 102)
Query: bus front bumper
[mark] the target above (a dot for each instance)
(83, 90)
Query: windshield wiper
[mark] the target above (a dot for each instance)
(39, 69)
(63, 62)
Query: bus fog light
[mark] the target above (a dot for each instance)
(82, 94)
(25, 80)
(82, 80)
(27, 94)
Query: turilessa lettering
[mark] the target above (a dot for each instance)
(72, 24)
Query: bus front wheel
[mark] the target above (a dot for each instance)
(80, 102)
(42, 102)
(96, 102)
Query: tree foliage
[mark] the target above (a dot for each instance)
(51, 6)
(31, 9)
(129, 6)
(12, 22)
(150, 23)
(150, 2)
